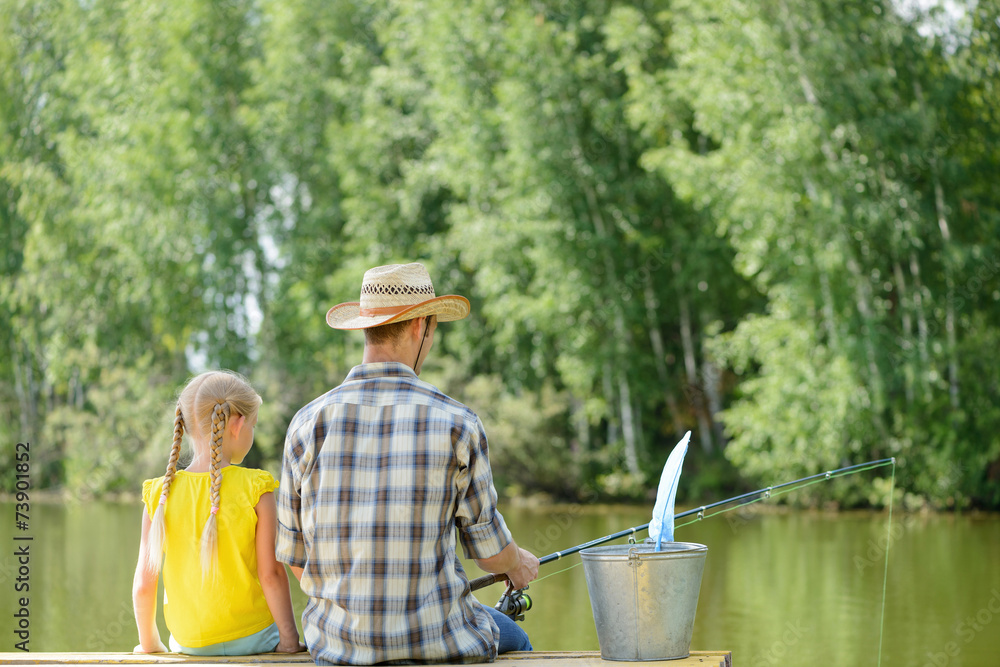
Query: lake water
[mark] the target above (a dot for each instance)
(779, 588)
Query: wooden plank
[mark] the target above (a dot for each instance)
(593, 659)
(526, 659)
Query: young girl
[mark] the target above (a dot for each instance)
(224, 593)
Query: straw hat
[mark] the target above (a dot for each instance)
(395, 293)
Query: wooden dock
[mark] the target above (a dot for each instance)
(525, 659)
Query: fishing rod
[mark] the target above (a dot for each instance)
(742, 499)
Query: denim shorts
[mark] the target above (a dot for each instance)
(264, 641)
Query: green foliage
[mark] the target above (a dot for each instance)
(123, 434)
(773, 223)
(800, 406)
(817, 145)
(527, 435)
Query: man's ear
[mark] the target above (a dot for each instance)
(416, 328)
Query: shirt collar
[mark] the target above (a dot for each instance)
(380, 369)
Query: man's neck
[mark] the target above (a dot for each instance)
(380, 353)
(405, 349)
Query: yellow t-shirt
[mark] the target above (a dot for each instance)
(200, 613)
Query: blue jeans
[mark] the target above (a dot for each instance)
(264, 641)
(512, 636)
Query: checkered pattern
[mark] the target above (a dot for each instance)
(377, 475)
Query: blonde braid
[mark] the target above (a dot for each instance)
(209, 537)
(158, 524)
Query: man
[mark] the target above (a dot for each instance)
(377, 475)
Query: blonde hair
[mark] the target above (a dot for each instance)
(203, 407)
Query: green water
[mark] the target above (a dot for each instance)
(790, 588)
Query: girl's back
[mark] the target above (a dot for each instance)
(230, 603)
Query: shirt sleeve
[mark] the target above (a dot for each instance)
(263, 483)
(290, 546)
(482, 530)
(151, 490)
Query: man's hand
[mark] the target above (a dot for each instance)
(525, 571)
(519, 565)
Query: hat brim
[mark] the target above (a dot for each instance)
(448, 308)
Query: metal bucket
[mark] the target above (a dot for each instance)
(644, 601)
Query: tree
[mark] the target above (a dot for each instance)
(807, 166)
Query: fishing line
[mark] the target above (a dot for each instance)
(885, 573)
(565, 569)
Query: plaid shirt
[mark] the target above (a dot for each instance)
(377, 474)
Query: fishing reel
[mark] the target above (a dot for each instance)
(513, 603)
